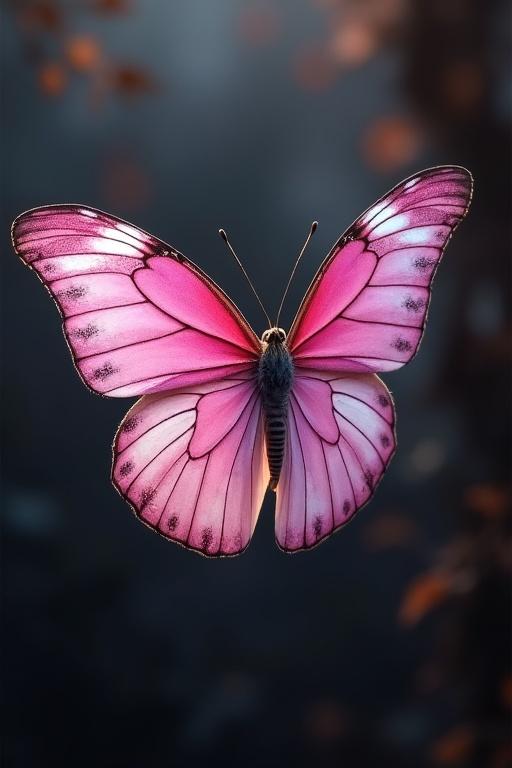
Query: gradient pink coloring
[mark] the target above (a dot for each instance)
(189, 457)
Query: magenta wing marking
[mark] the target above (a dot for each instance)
(327, 477)
(138, 316)
(367, 306)
(192, 464)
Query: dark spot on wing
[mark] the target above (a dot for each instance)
(85, 333)
(74, 292)
(383, 401)
(126, 468)
(347, 239)
(130, 423)
(172, 522)
(146, 497)
(103, 373)
(385, 441)
(346, 507)
(401, 345)
(206, 539)
(317, 526)
(49, 268)
(29, 255)
(369, 479)
(32, 254)
(413, 305)
(163, 251)
(422, 263)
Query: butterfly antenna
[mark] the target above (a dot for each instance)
(222, 233)
(312, 231)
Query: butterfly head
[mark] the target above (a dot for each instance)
(273, 336)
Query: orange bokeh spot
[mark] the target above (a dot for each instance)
(455, 747)
(425, 593)
(353, 43)
(391, 142)
(132, 81)
(83, 53)
(488, 500)
(52, 79)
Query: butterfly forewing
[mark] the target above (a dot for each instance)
(366, 308)
(138, 316)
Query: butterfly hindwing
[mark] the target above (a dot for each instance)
(191, 463)
(340, 441)
(138, 316)
(366, 308)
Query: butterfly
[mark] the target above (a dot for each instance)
(223, 414)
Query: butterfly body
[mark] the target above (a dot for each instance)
(222, 414)
(275, 378)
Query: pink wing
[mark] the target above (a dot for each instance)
(138, 316)
(191, 463)
(364, 312)
(340, 441)
(366, 307)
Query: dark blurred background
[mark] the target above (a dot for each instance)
(389, 645)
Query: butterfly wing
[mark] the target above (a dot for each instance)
(366, 308)
(138, 316)
(191, 463)
(364, 312)
(340, 441)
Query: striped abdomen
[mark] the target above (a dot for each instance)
(275, 436)
(275, 379)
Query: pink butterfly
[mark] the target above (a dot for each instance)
(223, 414)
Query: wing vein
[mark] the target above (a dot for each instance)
(197, 496)
(345, 418)
(231, 469)
(182, 373)
(168, 445)
(329, 481)
(131, 344)
(162, 421)
(305, 475)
